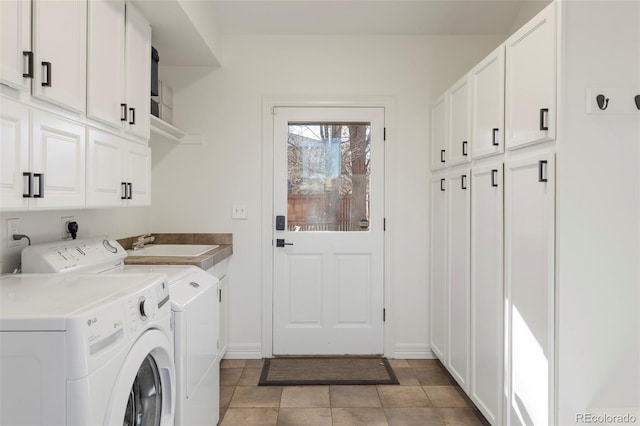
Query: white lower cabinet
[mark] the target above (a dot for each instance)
(438, 261)
(118, 172)
(530, 289)
(223, 333)
(458, 294)
(46, 171)
(487, 294)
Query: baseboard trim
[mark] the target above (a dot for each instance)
(243, 352)
(413, 352)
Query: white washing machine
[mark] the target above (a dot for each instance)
(85, 349)
(194, 305)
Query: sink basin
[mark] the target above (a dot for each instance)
(186, 250)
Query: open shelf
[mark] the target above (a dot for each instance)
(165, 129)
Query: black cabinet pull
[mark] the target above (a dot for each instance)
(123, 190)
(441, 184)
(132, 112)
(129, 190)
(29, 73)
(442, 155)
(47, 66)
(40, 177)
(543, 118)
(541, 170)
(220, 296)
(463, 182)
(123, 112)
(464, 148)
(495, 137)
(494, 177)
(29, 193)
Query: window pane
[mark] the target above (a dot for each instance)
(328, 176)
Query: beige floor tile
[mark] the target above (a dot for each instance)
(254, 363)
(233, 363)
(433, 375)
(462, 417)
(304, 417)
(250, 417)
(413, 417)
(256, 396)
(358, 417)
(398, 363)
(354, 396)
(305, 396)
(403, 396)
(250, 376)
(230, 376)
(226, 392)
(406, 376)
(447, 396)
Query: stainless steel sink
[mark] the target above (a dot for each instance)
(184, 250)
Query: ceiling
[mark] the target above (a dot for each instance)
(291, 17)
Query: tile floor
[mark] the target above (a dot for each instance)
(427, 395)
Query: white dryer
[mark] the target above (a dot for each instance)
(85, 349)
(194, 305)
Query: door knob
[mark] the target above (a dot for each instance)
(280, 243)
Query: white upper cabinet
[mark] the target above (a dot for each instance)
(459, 122)
(137, 174)
(14, 154)
(57, 162)
(530, 92)
(138, 73)
(487, 105)
(105, 184)
(59, 45)
(16, 56)
(105, 61)
(439, 133)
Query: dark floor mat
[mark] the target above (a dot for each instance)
(327, 371)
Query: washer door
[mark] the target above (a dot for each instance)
(143, 393)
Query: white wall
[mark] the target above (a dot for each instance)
(195, 186)
(46, 226)
(598, 241)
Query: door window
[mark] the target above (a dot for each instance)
(144, 406)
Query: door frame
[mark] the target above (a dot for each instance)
(267, 224)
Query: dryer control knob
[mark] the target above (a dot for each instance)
(143, 308)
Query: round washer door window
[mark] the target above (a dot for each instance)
(144, 407)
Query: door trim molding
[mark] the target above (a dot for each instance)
(266, 252)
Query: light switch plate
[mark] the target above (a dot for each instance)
(239, 211)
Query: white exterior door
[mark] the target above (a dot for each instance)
(328, 245)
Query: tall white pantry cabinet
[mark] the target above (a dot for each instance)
(550, 294)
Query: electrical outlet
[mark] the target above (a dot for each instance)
(13, 227)
(239, 211)
(63, 221)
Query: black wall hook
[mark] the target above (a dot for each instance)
(637, 99)
(602, 101)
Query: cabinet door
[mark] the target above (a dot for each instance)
(58, 162)
(459, 122)
(138, 173)
(14, 154)
(16, 55)
(222, 299)
(487, 105)
(487, 295)
(529, 279)
(138, 73)
(105, 155)
(530, 113)
(458, 305)
(438, 278)
(439, 128)
(105, 61)
(59, 43)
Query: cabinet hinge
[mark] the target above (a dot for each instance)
(384, 314)
(384, 134)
